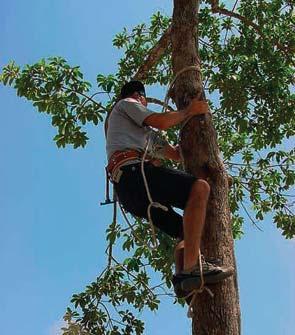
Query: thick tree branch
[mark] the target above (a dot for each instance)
(154, 55)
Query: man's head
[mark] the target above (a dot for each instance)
(134, 89)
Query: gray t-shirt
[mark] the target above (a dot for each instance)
(125, 126)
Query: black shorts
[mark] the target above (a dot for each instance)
(169, 187)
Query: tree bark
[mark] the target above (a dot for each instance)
(219, 315)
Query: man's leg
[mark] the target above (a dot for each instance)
(179, 189)
(179, 256)
(189, 278)
(193, 221)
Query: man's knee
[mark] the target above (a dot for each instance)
(200, 189)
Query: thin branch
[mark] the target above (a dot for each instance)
(110, 322)
(74, 91)
(227, 30)
(159, 102)
(216, 9)
(133, 276)
(155, 53)
(250, 217)
(93, 95)
(171, 295)
(205, 43)
(160, 286)
(263, 190)
(235, 5)
(287, 209)
(87, 97)
(257, 165)
(130, 225)
(144, 32)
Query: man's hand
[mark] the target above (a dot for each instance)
(167, 120)
(197, 107)
(172, 152)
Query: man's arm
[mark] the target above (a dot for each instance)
(167, 120)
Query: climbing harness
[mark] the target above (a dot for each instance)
(117, 160)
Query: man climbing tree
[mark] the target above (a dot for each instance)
(128, 133)
(244, 57)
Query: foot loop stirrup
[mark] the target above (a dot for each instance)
(195, 292)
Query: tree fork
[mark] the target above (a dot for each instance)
(219, 315)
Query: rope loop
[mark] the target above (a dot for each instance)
(185, 69)
(158, 205)
(197, 291)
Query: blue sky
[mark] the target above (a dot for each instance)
(52, 227)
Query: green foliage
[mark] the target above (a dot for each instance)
(59, 90)
(136, 46)
(103, 307)
(248, 70)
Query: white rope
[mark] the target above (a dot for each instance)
(158, 205)
(187, 68)
(195, 292)
(152, 203)
(167, 97)
(202, 287)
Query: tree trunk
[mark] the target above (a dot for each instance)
(219, 315)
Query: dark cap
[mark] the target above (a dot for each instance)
(132, 87)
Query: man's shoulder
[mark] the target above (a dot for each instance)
(125, 103)
(130, 100)
(134, 110)
(129, 103)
